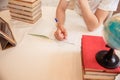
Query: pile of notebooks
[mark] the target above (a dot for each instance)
(91, 69)
(25, 10)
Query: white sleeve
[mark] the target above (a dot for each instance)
(108, 5)
(117, 77)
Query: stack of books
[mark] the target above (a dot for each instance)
(91, 45)
(25, 10)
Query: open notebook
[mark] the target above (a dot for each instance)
(47, 28)
(48, 32)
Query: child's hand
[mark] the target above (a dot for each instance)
(60, 33)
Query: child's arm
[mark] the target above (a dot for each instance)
(61, 32)
(92, 20)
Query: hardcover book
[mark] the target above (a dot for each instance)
(6, 36)
(91, 45)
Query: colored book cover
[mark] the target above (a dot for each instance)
(91, 45)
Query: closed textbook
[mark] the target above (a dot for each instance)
(90, 46)
(99, 77)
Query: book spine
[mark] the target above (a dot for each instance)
(99, 77)
(24, 3)
(100, 73)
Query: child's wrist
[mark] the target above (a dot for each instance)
(58, 24)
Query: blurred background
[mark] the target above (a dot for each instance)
(3, 3)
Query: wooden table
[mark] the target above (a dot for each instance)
(36, 58)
